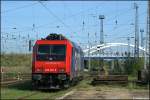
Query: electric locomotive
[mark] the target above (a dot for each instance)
(57, 62)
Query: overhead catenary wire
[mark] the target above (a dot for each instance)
(17, 8)
(66, 17)
(45, 25)
(71, 16)
(51, 13)
(120, 14)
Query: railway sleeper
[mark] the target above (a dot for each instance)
(95, 82)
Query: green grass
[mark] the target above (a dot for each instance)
(13, 72)
(11, 60)
(131, 78)
(12, 64)
(14, 92)
(7, 93)
(23, 89)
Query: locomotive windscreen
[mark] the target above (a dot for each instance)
(51, 53)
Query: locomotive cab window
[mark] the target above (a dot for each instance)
(43, 49)
(51, 52)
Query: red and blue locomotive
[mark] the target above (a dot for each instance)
(56, 62)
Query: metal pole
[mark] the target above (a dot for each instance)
(142, 39)
(136, 51)
(148, 32)
(101, 17)
(128, 38)
(89, 63)
(146, 62)
(95, 38)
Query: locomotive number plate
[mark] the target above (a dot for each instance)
(51, 70)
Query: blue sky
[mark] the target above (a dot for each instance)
(66, 17)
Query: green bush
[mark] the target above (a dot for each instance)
(133, 65)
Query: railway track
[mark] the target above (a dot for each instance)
(12, 81)
(75, 92)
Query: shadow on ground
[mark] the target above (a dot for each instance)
(27, 86)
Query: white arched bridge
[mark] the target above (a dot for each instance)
(94, 51)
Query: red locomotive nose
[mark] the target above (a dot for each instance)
(50, 67)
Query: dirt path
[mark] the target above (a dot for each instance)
(108, 93)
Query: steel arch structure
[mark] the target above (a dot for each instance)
(108, 45)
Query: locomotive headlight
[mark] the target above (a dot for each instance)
(37, 76)
(39, 70)
(62, 70)
(62, 76)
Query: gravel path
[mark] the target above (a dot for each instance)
(112, 93)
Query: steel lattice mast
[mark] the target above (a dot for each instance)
(136, 49)
(101, 17)
(147, 38)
